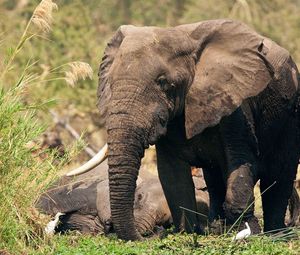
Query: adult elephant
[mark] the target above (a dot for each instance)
(213, 94)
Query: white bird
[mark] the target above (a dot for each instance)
(50, 227)
(245, 233)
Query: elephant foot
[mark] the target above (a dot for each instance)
(253, 224)
(219, 227)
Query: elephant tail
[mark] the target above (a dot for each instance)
(294, 209)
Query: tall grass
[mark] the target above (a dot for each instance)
(23, 174)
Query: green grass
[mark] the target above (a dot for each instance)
(76, 244)
(23, 173)
(22, 177)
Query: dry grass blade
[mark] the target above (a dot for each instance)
(286, 234)
(79, 71)
(42, 15)
(42, 18)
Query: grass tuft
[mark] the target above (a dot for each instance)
(23, 173)
(22, 176)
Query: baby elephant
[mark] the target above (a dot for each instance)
(85, 203)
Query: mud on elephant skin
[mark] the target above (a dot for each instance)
(85, 203)
(213, 94)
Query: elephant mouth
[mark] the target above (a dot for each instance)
(160, 129)
(157, 134)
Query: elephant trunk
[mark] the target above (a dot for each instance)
(124, 159)
(134, 120)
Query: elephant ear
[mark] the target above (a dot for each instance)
(233, 63)
(104, 89)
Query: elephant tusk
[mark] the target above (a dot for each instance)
(93, 162)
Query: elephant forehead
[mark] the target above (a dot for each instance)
(175, 40)
(157, 39)
(138, 41)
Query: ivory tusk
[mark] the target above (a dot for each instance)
(93, 162)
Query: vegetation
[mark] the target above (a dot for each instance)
(172, 244)
(40, 52)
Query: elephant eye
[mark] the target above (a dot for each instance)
(162, 81)
(165, 85)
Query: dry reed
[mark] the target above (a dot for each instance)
(79, 71)
(42, 15)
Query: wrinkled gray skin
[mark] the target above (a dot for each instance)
(77, 198)
(85, 202)
(213, 94)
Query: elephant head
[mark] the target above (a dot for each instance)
(150, 77)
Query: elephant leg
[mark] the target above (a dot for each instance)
(240, 148)
(239, 196)
(282, 170)
(274, 202)
(216, 190)
(177, 183)
(280, 167)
